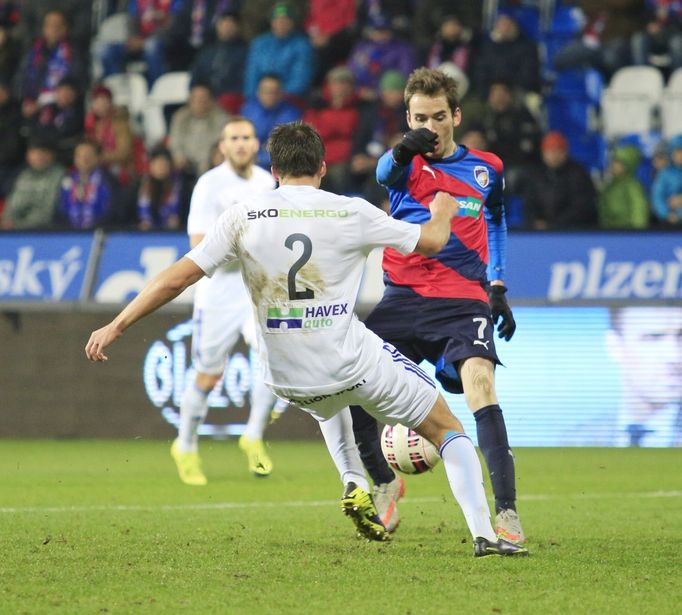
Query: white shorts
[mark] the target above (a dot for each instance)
(216, 330)
(393, 390)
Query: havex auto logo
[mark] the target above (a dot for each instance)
(311, 317)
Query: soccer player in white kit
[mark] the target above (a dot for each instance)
(302, 252)
(222, 309)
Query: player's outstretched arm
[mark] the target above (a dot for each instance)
(159, 291)
(436, 232)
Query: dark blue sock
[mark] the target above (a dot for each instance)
(493, 442)
(369, 444)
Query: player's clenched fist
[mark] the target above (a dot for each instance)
(419, 141)
(444, 204)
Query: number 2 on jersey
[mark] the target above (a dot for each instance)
(303, 259)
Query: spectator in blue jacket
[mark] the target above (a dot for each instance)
(268, 109)
(666, 192)
(86, 198)
(284, 51)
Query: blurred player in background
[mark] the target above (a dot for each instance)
(443, 308)
(647, 344)
(302, 252)
(221, 306)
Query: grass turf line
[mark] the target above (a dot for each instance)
(602, 539)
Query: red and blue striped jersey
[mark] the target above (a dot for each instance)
(476, 250)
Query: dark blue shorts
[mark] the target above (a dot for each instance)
(441, 331)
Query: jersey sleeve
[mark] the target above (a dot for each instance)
(200, 209)
(388, 173)
(380, 230)
(219, 246)
(497, 229)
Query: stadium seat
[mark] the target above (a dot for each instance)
(671, 106)
(130, 90)
(169, 89)
(629, 102)
(113, 29)
(642, 80)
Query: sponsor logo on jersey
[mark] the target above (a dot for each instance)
(284, 318)
(311, 317)
(335, 309)
(256, 214)
(481, 176)
(469, 206)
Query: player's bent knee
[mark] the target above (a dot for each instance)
(478, 379)
(439, 422)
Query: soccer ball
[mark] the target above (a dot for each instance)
(406, 451)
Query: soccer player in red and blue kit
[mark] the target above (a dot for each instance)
(444, 309)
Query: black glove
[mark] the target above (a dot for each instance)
(500, 307)
(420, 141)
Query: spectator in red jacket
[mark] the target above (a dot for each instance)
(335, 115)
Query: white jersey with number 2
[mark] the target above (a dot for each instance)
(302, 252)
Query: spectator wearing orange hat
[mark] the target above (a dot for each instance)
(559, 193)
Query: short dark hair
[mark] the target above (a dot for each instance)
(431, 82)
(296, 149)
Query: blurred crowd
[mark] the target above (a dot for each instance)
(72, 158)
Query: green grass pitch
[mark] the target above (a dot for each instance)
(106, 527)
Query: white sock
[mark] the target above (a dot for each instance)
(340, 441)
(262, 400)
(193, 411)
(463, 469)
